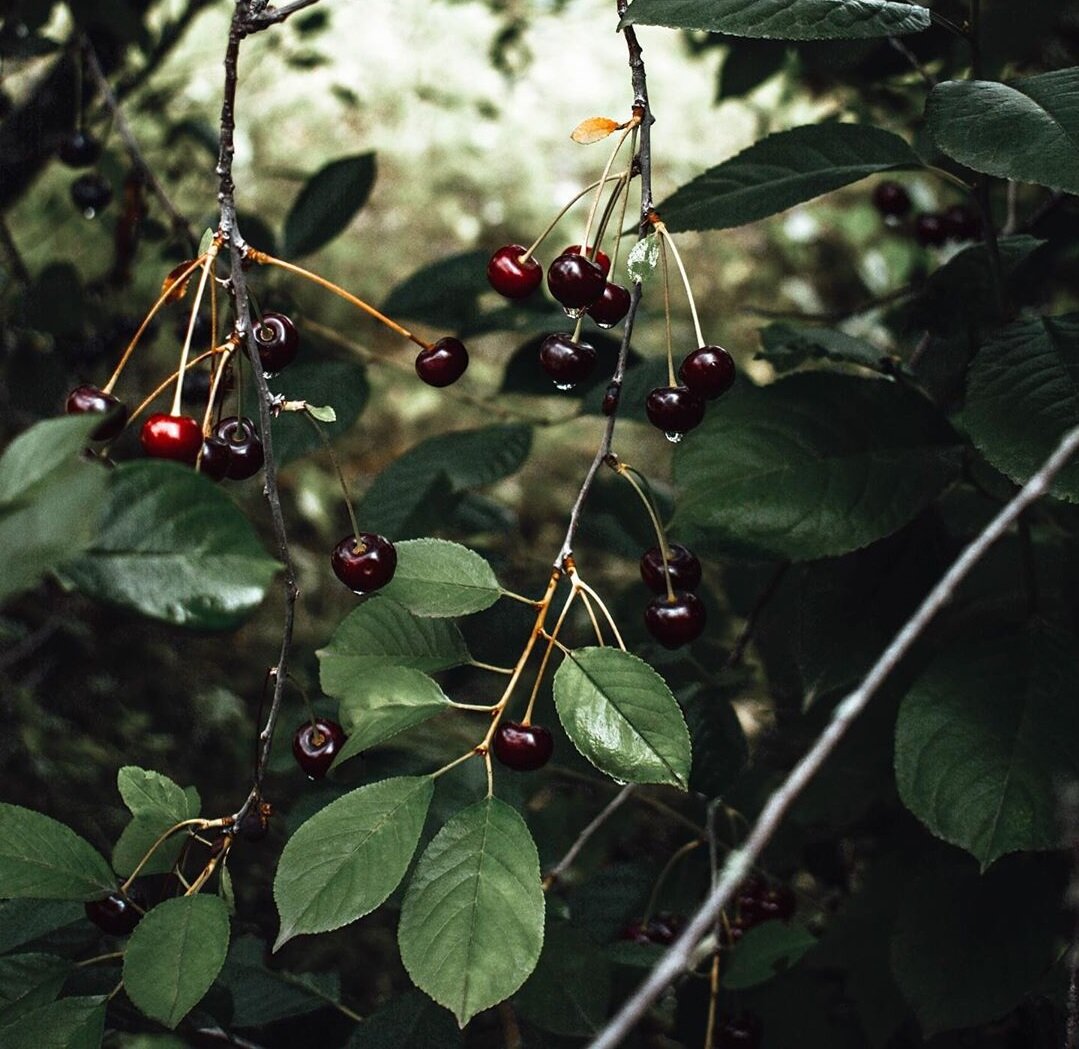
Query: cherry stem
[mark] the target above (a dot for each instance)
(664, 874)
(317, 738)
(215, 383)
(162, 838)
(580, 584)
(337, 469)
(628, 472)
(99, 958)
(713, 998)
(210, 867)
(168, 290)
(578, 326)
(624, 194)
(571, 597)
(207, 268)
(322, 282)
(592, 615)
(170, 380)
(599, 192)
(520, 597)
(662, 230)
(456, 761)
(492, 668)
(667, 311)
(522, 259)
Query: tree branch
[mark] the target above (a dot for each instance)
(274, 15)
(739, 862)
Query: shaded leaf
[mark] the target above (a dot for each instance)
(786, 347)
(764, 952)
(29, 981)
(328, 202)
(342, 385)
(443, 292)
(71, 1023)
(412, 1021)
(720, 750)
(23, 921)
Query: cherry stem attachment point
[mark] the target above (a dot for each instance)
(159, 390)
(630, 128)
(667, 311)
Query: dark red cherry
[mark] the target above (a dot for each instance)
(682, 564)
(674, 409)
(91, 193)
(115, 914)
(79, 150)
(601, 258)
(364, 563)
(708, 371)
(611, 307)
(523, 748)
(962, 223)
(176, 437)
(90, 399)
(575, 281)
(734, 930)
(214, 458)
(245, 447)
(443, 363)
(777, 902)
(255, 824)
(316, 744)
(511, 277)
(738, 1032)
(891, 200)
(277, 340)
(675, 623)
(930, 230)
(565, 361)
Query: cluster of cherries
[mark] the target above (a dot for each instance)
(675, 616)
(931, 229)
(91, 192)
(758, 902)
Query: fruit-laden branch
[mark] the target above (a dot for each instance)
(740, 861)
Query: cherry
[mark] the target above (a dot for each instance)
(115, 914)
(675, 623)
(176, 437)
(524, 748)
(891, 200)
(778, 902)
(682, 564)
(575, 281)
(215, 458)
(930, 230)
(443, 363)
(365, 562)
(316, 745)
(277, 340)
(660, 929)
(245, 447)
(962, 223)
(738, 1032)
(674, 409)
(511, 277)
(91, 193)
(734, 930)
(708, 371)
(601, 259)
(79, 150)
(90, 399)
(609, 309)
(565, 361)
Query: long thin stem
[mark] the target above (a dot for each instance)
(587, 834)
(337, 469)
(599, 192)
(159, 390)
(627, 472)
(740, 861)
(207, 270)
(662, 230)
(558, 218)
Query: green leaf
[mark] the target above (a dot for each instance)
(347, 858)
(985, 737)
(812, 466)
(29, 981)
(783, 19)
(174, 955)
(46, 860)
(71, 1023)
(449, 464)
(207, 240)
(1022, 396)
(981, 123)
(786, 347)
(322, 413)
(50, 501)
(174, 547)
(380, 634)
(439, 578)
(782, 170)
(472, 920)
(328, 202)
(765, 952)
(156, 804)
(720, 751)
(23, 921)
(958, 953)
(340, 383)
(643, 258)
(412, 1021)
(443, 293)
(620, 714)
(376, 706)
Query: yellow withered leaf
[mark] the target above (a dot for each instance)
(594, 129)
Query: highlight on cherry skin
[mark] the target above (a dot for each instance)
(176, 437)
(509, 276)
(523, 748)
(90, 399)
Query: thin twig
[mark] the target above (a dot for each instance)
(912, 58)
(273, 15)
(740, 861)
(586, 835)
(750, 626)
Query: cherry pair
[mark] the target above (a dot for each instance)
(757, 902)
(930, 229)
(676, 617)
(707, 373)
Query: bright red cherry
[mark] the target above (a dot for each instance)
(79, 150)
(443, 363)
(611, 307)
(511, 277)
(316, 744)
(277, 340)
(930, 230)
(365, 562)
(90, 399)
(602, 259)
(245, 447)
(708, 371)
(115, 914)
(176, 437)
(565, 361)
(675, 623)
(575, 281)
(891, 200)
(523, 748)
(674, 409)
(682, 564)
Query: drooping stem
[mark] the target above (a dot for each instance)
(662, 230)
(599, 192)
(558, 218)
(627, 472)
(207, 270)
(337, 469)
